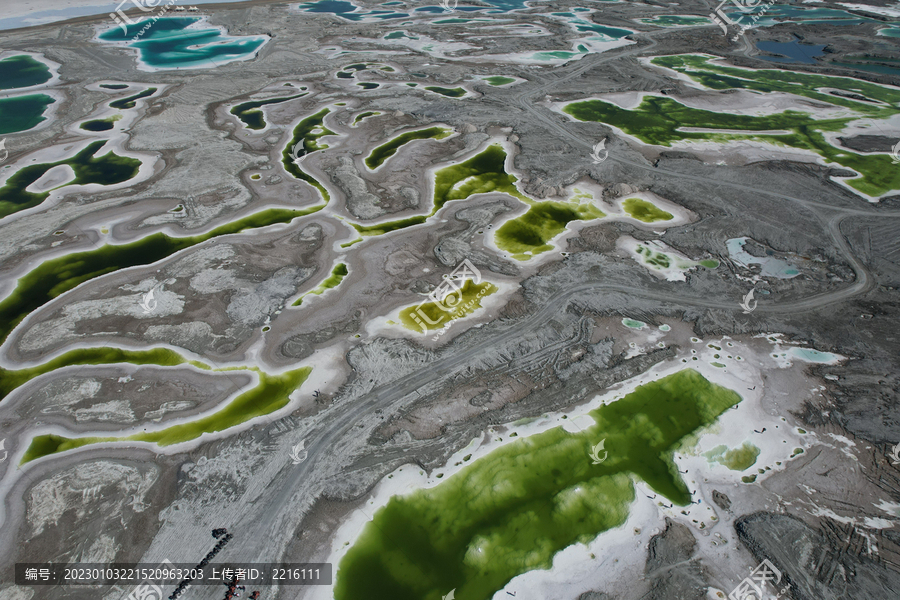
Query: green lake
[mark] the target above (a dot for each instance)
(512, 510)
(108, 169)
(58, 275)
(22, 71)
(21, 113)
(387, 150)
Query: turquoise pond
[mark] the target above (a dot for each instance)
(813, 356)
(21, 113)
(172, 43)
(22, 71)
(769, 266)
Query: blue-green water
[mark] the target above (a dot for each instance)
(791, 52)
(769, 266)
(812, 356)
(170, 44)
(21, 113)
(22, 71)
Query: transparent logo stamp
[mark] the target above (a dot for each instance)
(745, 303)
(755, 587)
(599, 153)
(3, 447)
(299, 453)
(895, 154)
(595, 452)
(4, 153)
(449, 5)
(895, 455)
(148, 302)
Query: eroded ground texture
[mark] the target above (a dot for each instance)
(216, 325)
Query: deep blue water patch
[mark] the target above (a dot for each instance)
(170, 44)
(791, 52)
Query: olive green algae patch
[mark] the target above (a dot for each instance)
(481, 174)
(252, 117)
(58, 275)
(336, 277)
(272, 393)
(645, 211)
(432, 316)
(737, 459)
(662, 121)
(512, 510)
(108, 169)
(385, 151)
(529, 235)
(10, 380)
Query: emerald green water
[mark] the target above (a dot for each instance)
(337, 275)
(645, 211)
(304, 133)
(99, 125)
(22, 113)
(22, 71)
(511, 511)
(657, 120)
(10, 380)
(456, 92)
(56, 276)
(129, 102)
(385, 151)
(529, 235)
(483, 173)
(114, 86)
(498, 80)
(108, 169)
(271, 394)
(252, 117)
